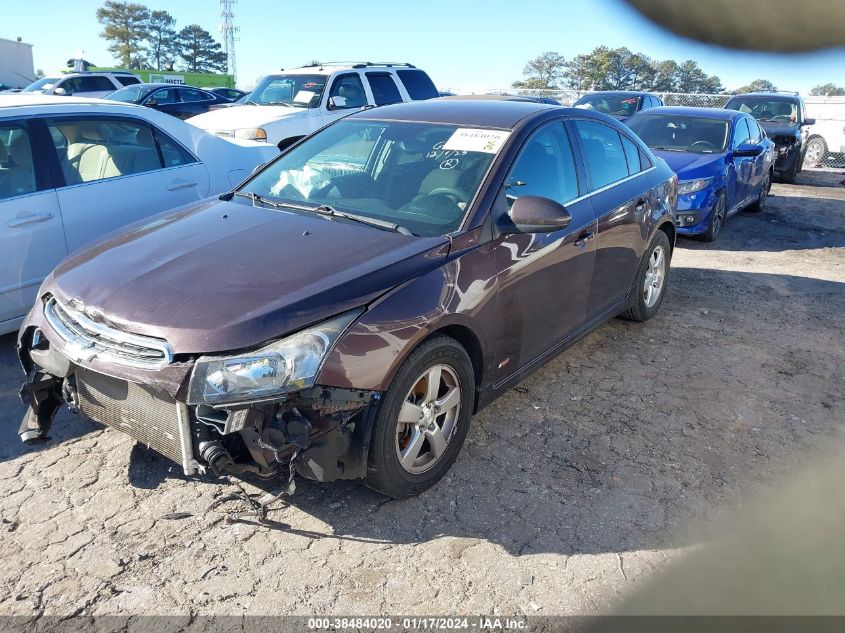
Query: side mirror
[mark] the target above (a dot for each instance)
(535, 214)
(809, 122)
(151, 103)
(61, 92)
(337, 102)
(749, 149)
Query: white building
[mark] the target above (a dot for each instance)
(16, 68)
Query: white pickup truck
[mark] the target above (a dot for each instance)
(286, 106)
(827, 135)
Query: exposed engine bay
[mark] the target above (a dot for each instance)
(325, 429)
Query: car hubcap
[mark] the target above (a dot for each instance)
(428, 419)
(654, 276)
(814, 152)
(764, 192)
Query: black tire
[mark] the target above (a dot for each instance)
(717, 218)
(638, 309)
(760, 203)
(816, 151)
(385, 473)
(789, 177)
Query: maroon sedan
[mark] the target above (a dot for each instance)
(347, 309)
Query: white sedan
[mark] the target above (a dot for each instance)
(73, 169)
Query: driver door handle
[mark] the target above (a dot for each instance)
(32, 218)
(584, 238)
(179, 183)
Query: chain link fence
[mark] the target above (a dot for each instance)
(826, 140)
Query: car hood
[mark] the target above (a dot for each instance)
(773, 129)
(244, 116)
(221, 276)
(692, 164)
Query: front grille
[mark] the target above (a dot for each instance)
(151, 418)
(87, 339)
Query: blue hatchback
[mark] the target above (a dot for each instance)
(723, 160)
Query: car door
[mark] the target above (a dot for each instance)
(543, 278)
(32, 241)
(350, 88)
(759, 163)
(116, 170)
(165, 100)
(739, 187)
(193, 102)
(619, 192)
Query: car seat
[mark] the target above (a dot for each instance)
(353, 94)
(20, 175)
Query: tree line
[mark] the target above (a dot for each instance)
(145, 39)
(606, 68)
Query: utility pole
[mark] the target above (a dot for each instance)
(229, 31)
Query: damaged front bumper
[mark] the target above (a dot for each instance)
(327, 427)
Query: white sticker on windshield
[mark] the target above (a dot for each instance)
(304, 96)
(468, 139)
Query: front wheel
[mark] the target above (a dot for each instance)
(816, 151)
(717, 218)
(760, 202)
(651, 280)
(423, 419)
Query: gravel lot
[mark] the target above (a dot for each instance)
(572, 489)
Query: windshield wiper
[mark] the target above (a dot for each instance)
(668, 149)
(325, 209)
(256, 199)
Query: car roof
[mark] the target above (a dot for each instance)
(632, 93)
(786, 96)
(486, 112)
(712, 113)
(24, 100)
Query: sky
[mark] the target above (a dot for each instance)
(465, 45)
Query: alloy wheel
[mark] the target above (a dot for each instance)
(655, 274)
(718, 217)
(428, 419)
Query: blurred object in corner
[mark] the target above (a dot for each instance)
(783, 26)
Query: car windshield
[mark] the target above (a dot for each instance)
(129, 94)
(421, 176)
(679, 133)
(767, 109)
(302, 91)
(45, 83)
(620, 105)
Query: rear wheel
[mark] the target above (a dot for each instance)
(651, 280)
(423, 419)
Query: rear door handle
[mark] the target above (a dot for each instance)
(32, 218)
(181, 184)
(584, 238)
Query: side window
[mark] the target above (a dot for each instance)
(645, 161)
(17, 169)
(127, 80)
(189, 95)
(545, 167)
(351, 89)
(93, 149)
(632, 155)
(165, 96)
(384, 89)
(418, 84)
(87, 84)
(741, 133)
(754, 133)
(603, 152)
(172, 153)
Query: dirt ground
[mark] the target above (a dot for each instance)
(572, 490)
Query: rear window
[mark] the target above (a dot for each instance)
(418, 84)
(125, 80)
(384, 89)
